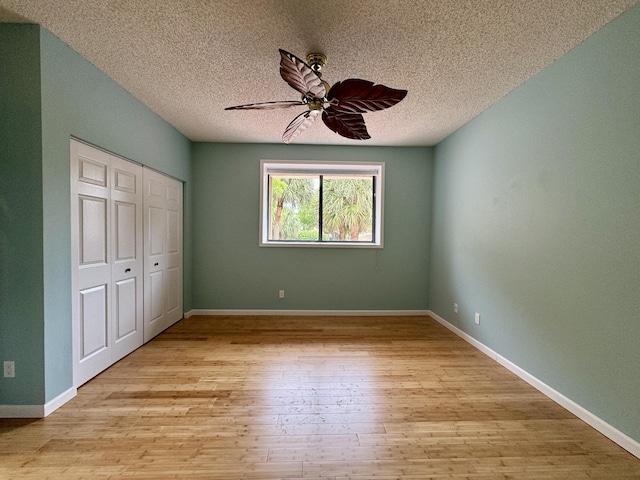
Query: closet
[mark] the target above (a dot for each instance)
(126, 250)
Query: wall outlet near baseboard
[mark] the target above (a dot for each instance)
(9, 369)
(455, 308)
(281, 294)
(477, 319)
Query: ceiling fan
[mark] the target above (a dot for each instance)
(341, 106)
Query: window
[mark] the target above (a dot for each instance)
(327, 204)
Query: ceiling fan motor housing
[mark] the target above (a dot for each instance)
(316, 61)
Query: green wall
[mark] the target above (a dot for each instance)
(536, 225)
(21, 231)
(232, 272)
(73, 99)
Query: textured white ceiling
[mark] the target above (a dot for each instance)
(189, 59)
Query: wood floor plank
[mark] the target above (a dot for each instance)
(313, 398)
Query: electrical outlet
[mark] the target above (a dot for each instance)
(455, 308)
(477, 319)
(9, 369)
(281, 294)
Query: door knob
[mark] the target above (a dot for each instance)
(155, 264)
(127, 270)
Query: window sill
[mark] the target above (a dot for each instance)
(320, 244)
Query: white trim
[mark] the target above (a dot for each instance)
(626, 442)
(322, 313)
(60, 400)
(375, 169)
(37, 411)
(466, 337)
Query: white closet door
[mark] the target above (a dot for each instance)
(173, 242)
(91, 255)
(106, 246)
(127, 253)
(153, 254)
(162, 252)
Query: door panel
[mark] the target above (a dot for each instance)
(173, 239)
(92, 166)
(127, 267)
(93, 230)
(155, 186)
(124, 181)
(125, 311)
(173, 303)
(155, 232)
(94, 317)
(125, 225)
(163, 252)
(173, 232)
(153, 202)
(173, 192)
(90, 306)
(156, 291)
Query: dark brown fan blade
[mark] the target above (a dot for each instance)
(298, 124)
(349, 125)
(300, 76)
(360, 96)
(267, 105)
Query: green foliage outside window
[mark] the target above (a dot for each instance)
(345, 213)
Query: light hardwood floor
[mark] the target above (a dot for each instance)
(309, 397)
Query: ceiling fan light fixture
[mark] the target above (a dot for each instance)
(341, 106)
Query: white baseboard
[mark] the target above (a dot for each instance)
(60, 400)
(37, 411)
(323, 313)
(626, 442)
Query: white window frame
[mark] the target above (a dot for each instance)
(269, 167)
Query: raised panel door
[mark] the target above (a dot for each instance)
(91, 257)
(163, 252)
(173, 242)
(154, 253)
(127, 331)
